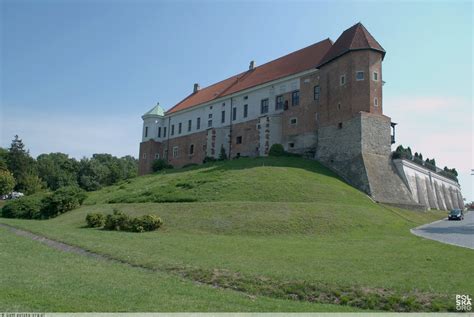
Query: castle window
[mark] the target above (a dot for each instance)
(172, 129)
(146, 132)
(165, 154)
(190, 122)
(234, 113)
(157, 156)
(317, 92)
(164, 132)
(264, 106)
(144, 156)
(180, 125)
(342, 80)
(198, 123)
(191, 149)
(359, 75)
(246, 110)
(238, 140)
(339, 125)
(279, 103)
(210, 116)
(291, 145)
(376, 76)
(293, 121)
(223, 104)
(159, 132)
(339, 106)
(376, 102)
(175, 151)
(295, 98)
(209, 123)
(246, 97)
(223, 116)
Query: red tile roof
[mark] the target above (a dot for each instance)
(296, 62)
(355, 38)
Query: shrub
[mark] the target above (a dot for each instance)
(160, 164)
(26, 208)
(276, 150)
(146, 223)
(95, 220)
(222, 154)
(117, 221)
(190, 165)
(62, 200)
(208, 159)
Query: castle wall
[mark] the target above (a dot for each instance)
(429, 188)
(147, 154)
(359, 152)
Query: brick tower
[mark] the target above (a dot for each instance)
(353, 135)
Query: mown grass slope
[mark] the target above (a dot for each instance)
(280, 227)
(35, 277)
(261, 179)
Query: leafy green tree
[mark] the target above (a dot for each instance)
(3, 159)
(57, 170)
(32, 184)
(104, 169)
(21, 164)
(7, 182)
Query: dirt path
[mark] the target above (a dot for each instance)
(69, 248)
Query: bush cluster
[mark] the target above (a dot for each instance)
(95, 220)
(119, 221)
(160, 164)
(62, 200)
(208, 159)
(278, 150)
(28, 207)
(44, 207)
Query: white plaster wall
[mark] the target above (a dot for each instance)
(253, 101)
(152, 122)
(429, 188)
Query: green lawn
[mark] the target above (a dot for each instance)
(34, 277)
(269, 228)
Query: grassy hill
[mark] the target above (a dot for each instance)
(260, 179)
(284, 228)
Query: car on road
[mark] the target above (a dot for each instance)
(456, 214)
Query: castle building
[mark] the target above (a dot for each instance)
(324, 101)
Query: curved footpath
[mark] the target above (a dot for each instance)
(459, 233)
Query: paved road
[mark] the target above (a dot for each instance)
(460, 233)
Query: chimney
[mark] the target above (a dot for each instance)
(252, 65)
(196, 88)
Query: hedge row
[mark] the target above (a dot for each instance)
(45, 207)
(118, 221)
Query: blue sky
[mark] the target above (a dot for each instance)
(77, 75)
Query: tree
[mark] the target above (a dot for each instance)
(21, 164)
(57, 170)
(7, 182)
(32, 184)
(3, 159)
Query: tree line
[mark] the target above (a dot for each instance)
(21, 172)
